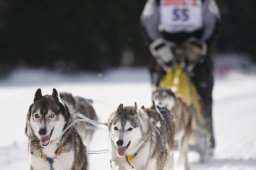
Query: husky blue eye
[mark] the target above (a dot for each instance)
(130, 129)
(115, 128)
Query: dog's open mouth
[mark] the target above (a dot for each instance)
(121, 150)
(45, 140)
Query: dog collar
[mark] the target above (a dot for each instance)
(51, 160)
(130, 158)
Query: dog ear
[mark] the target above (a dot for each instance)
(120, 108)
(171, 93)
(153, 105)
(55, 94)
(38, 94)
(135, 106)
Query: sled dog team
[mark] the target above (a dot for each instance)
(142, 138)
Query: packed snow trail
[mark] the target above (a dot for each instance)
(234, 113)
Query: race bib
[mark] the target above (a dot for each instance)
(181, 15)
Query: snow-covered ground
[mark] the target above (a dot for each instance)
(234, 113)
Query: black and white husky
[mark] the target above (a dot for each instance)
(51, 145)
(141, 139)
(166, 98)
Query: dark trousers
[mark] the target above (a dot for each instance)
(202, 77)
(204, 81)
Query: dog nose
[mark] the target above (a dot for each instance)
(119, 142)
(42, 132)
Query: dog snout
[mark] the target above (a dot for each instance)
(119, 142)
(160, 103)
(42, 131)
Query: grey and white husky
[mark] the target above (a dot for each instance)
(50, 145)
(141, 139)
(79, 108)
(166, 98)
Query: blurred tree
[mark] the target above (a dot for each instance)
(78, 34)
(70, 34)
(238, 27)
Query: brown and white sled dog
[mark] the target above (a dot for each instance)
(141, 139)
(80, 107)
(50, 147)
(165, 98)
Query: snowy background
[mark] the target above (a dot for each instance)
(234, 111)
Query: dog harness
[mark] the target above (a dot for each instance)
(130, 158)
(51, 160)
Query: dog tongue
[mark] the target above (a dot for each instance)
(45, 139)
(121, 151)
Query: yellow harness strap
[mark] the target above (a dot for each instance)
(130, 158)
(59, 150)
